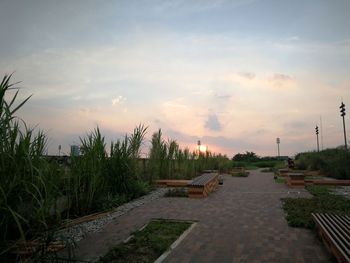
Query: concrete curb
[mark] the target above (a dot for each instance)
(176, 243)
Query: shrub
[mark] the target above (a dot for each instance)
(332, 162)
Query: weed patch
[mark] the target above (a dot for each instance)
(148, 244)
(241, 174)
(268, 170)
(177, 192)
(280, 180)
(323, 201)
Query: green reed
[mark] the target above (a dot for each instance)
(27, 189)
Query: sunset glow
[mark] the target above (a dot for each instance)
(233, 74)
(203, 148)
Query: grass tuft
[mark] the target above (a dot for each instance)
(177, 192)
(148, 244)
(323, 201)
(240, 174)
(280, 180)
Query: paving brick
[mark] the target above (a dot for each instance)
(242, 221)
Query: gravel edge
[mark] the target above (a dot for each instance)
(77, 232)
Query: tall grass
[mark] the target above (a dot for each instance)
(100, 182)
(28, 183)
(124, 172)
(88, 173)
(157, 157)
(168, 160)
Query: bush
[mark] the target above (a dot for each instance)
(332, 162)
(139, 188)
(268, 164)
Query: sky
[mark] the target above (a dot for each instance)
(234, 74)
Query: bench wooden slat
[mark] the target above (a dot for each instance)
(203, 185)
(334, 230)
(320, 223)
(346, 219)
(203, 179)
(344, 225)
(341, 237)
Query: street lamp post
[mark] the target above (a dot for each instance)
(278, 146)
(318, 145)
(342, 113)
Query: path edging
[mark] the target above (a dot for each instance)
(176, 243)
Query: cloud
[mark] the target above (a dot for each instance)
(293, 38)
(281, 80)
(297, 125)
(170, 76)
(280, 77)
(213, 123)
(247, 75)
(172, 7)
(118, 100)
(222, 96)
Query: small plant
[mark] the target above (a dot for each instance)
(240, 174)
(148, 244)
(320, 191)
(176, 192)
(299, 209)
(280, 180)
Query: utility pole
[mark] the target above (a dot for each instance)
(278, 146)
(342, 113)
(318, 145)
(321, 130)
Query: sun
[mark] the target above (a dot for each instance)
(203, 148)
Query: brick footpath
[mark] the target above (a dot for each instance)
(242, 222)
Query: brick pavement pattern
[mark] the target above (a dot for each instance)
(241, 222)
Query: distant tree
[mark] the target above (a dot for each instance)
(246, 157)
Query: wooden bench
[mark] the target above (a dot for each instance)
(335, 233)
(283, 172)
(172, 183)
(203, 185)
(296, 180)
(313, 173)
(327, 182)
(210, 171)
